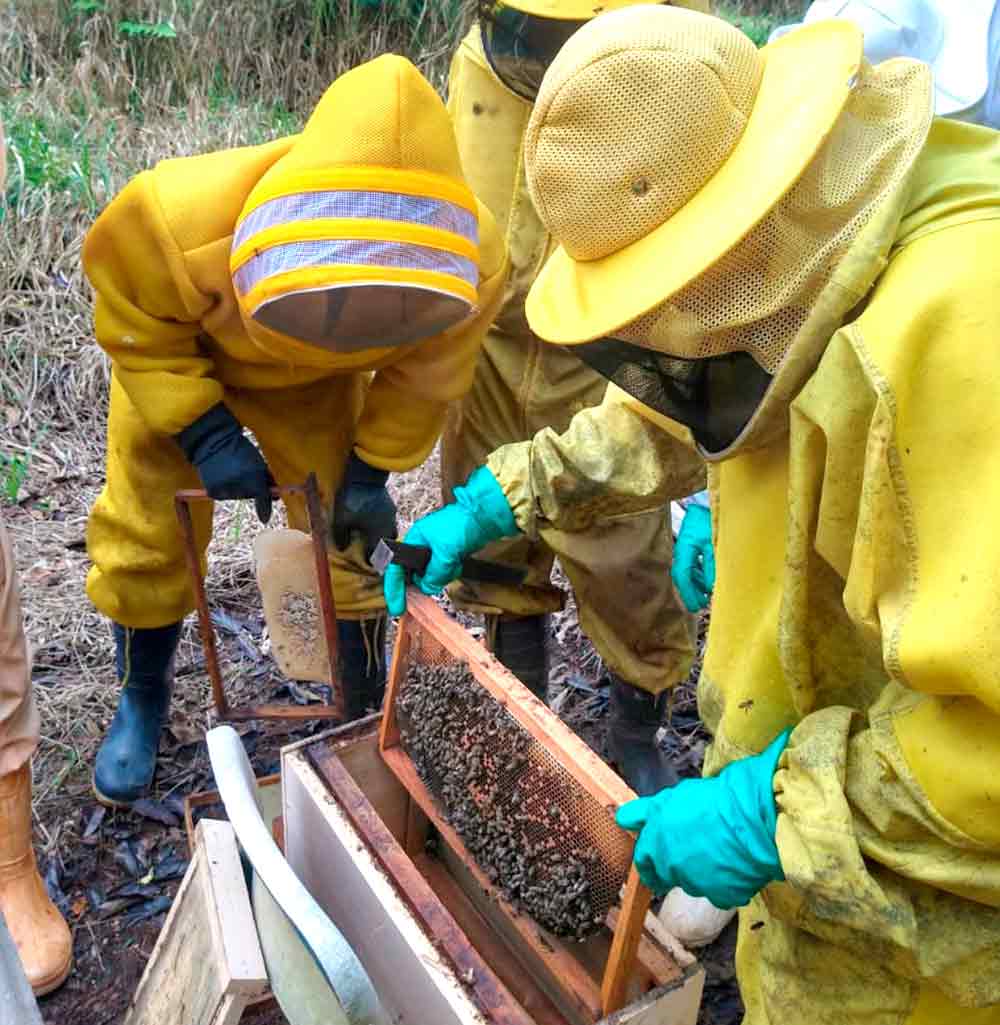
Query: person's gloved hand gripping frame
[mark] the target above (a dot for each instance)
(229, 464)
(480, 514)
(712, 837)
(363, 506)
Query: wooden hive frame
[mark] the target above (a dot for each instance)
(584, 999)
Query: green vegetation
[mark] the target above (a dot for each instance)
(759, 20)
(13, 474)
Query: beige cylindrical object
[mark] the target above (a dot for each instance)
(286, 574)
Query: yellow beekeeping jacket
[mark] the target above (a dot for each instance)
(858, 600)
(167, 312)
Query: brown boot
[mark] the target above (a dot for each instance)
(42, 937)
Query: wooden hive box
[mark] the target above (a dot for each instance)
(437, 938)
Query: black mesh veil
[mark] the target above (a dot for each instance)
(520, 46)
(714, 397)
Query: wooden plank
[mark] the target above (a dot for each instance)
(484, 938)
(189, 975)
(418, 828)
(572, 988)
(17, 1002)
(654, 961)
(389, 731)
(621, 960)
(415, 982)
(230, 911)
(487, 991)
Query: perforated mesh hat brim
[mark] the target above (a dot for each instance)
(757, 296)
(805, 81)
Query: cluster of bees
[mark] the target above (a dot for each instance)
(498, 792)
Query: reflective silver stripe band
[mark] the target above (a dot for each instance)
(383, 206)
(352, 252)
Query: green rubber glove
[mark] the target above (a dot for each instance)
(693, 569)
(480, 514)
(711, 837)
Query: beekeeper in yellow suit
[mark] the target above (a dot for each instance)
(783, 252)
(522, 385)
(328, 291)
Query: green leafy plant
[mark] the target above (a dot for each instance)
(13, 474)
(51, 155)
(147, 29)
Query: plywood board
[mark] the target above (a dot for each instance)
(415, 983)
(206, 963)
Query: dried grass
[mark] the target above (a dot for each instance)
(85, 109)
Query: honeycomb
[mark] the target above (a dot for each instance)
(541, 837)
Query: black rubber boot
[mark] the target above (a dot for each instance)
(634, 716)
(519, 642)
(126, 760)
(362, 665)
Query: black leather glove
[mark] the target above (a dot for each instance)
(363, 506)
(229, 465)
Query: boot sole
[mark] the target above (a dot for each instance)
(108, 802)
(50, 985)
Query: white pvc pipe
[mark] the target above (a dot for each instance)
(335, 958)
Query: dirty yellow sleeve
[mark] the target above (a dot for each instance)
(612, 462)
